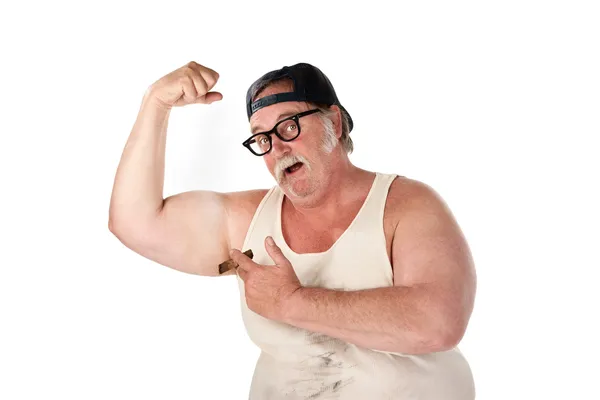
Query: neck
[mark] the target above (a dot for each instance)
(340, 186)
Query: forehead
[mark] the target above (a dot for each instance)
(265, 118)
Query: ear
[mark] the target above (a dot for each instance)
(337, 120)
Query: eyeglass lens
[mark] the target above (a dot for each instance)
(287, 129)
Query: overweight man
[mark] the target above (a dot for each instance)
(358, 284)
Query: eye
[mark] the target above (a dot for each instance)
(291, 127)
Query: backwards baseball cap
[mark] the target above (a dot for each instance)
(310, 84)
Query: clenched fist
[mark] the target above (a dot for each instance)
(190, 84)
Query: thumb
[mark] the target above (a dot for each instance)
(275, 252)
(210, 97)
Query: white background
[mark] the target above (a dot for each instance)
(494, 104)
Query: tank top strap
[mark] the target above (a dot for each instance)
(373, 210)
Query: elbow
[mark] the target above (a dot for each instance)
(111, 225)
(441, 335)
(127, 223)
(115, 226)
(113, 219)
(121, 232)
(127, 231)
(447, 325)
(441, 327)
(447, 334)
(125, 218)
(447, 340)
(432, 343)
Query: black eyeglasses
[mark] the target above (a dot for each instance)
(287, 130)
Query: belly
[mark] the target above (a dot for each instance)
(317, 376)
(344, 371)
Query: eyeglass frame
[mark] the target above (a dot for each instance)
(295, 118)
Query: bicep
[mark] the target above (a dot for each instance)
(430, 250)
(189, 233)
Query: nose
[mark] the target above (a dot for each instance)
(279, 147)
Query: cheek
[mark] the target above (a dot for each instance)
(317, 141)
(270, 164)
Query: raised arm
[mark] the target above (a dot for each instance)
(188, 231)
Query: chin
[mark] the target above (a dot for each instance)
(299, 194)
(301, 189)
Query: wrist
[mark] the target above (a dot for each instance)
(151, 101)
(294, 304)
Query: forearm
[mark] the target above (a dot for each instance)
(399, 319)
(138, 187)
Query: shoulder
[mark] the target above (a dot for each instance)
(244, 201)
(413, 204)
(408, 194)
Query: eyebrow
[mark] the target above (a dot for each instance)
(279, 118)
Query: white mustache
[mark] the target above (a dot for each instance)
(286, 163)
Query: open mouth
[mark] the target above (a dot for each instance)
(293, 168)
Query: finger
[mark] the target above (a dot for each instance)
(241, 259)
(210, 76)
(189, 90)
(275, 252)
(241, 273)
(211, 97)
(199, 83)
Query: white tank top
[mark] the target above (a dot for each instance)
(299, 364)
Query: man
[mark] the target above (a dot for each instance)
(369, 284)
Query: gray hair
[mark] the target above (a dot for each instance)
(326, 115)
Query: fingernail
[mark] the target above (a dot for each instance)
(270, 241)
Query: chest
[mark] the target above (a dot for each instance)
(304, 237)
